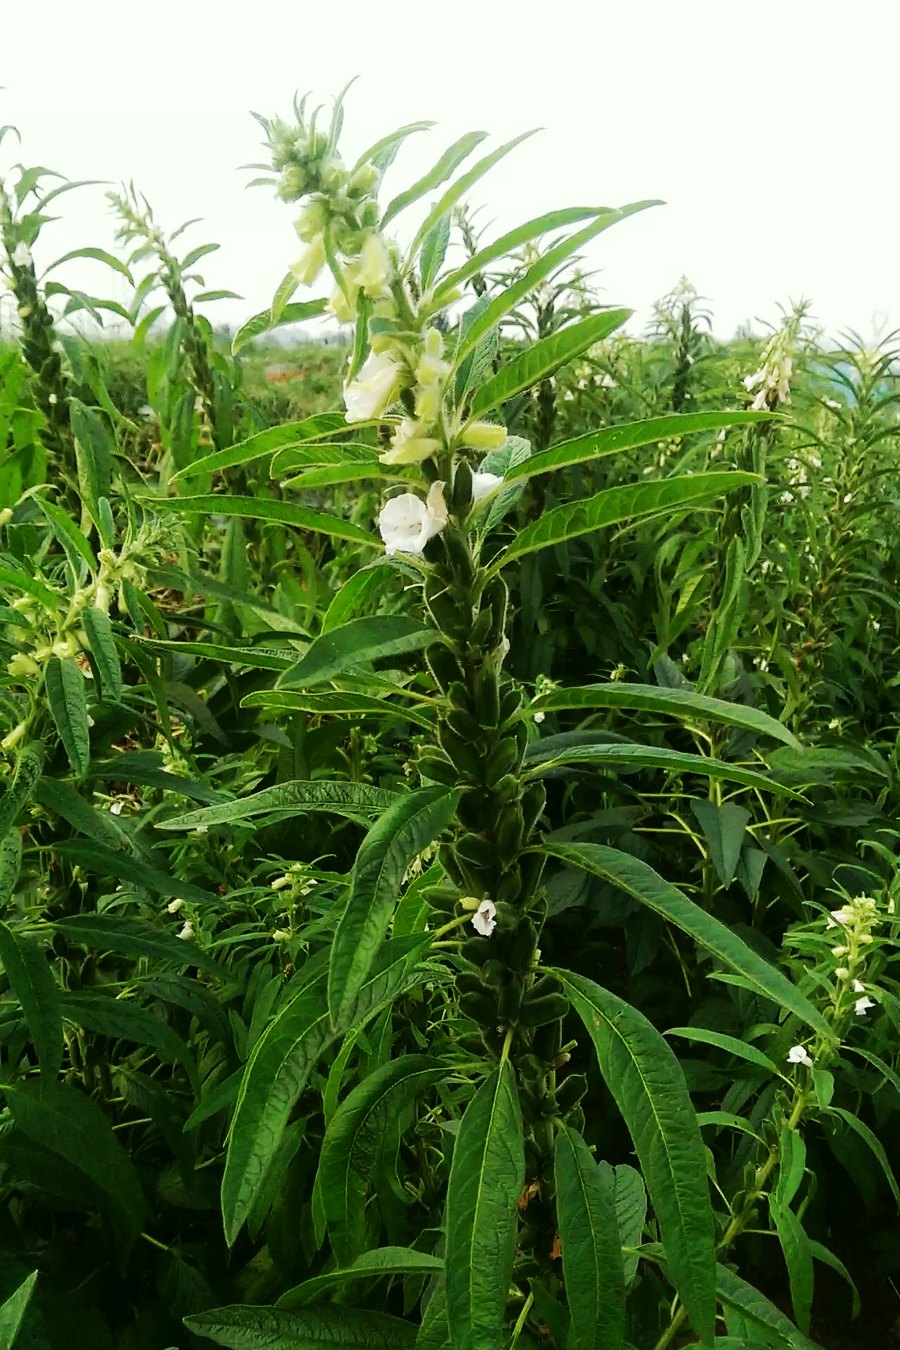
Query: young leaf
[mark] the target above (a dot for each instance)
(539, 361)
(462, 185)
(549, 753)
(756, 1309)
(352, 1141)
(28, 771)
(522, 234)
(866, 1134)
(243, 1327)
(95, 449)
(640, 881)
(64, 684)
(355, 644)
(383, 152)
(672, 702)
(337, 704)
(591, 1248)
(31, 981)
(383, 1261)
(403, 832)
(103, 649)
(648, 1086)
(264, 508)
(617, 504)
(743, 1049)
(267, 442)
(446, 165)
(485, 1184)
(264, 321)
(139, 872)
(76, 547)
(797, 1257)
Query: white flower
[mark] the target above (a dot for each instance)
(858, 987)
(281, 935)
(22, 254)
(406, 523)
(374, 270)
(174, 906)
(484, 920)
(376, 385)
(861, 1005)
(483, 484)
(311, 261)
(187, 932)
(409, 445)
(797, 1055)
(484, 435)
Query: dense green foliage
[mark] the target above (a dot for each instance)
(636, 704)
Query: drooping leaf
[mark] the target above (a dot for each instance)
(134, 937)
(731, 1044)
(264, 508)
(355, 644)
(591, 1248)
(755, 1308)
(338, 704)
(13, 1310)
(725, 827)
(103, 861)
(292, 798)
(446, 165)
(353, 1141)
(617, 504)
(103, 649)
(31, 981)
(264, 321)
(513, 239)
(648, 1086)
(408, 826)
(267, 442)
(486, 1178)
(543, 755)
(64, 685)
(242, 1327)
(797, 1257)
(383, 1261)
(640, 881)
(462, 185)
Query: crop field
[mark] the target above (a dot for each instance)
(449, 792)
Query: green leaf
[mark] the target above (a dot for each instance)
(349, 473)
(743, 1049)
(101, 861)
(408, 826)
(486, 1178)
(522, 234)
(95, 449)
(493, 312)
(446, 165)
(248, 658)
(356, 643)
(339, 797)
(756, 1308)
(28, 771)
(829, 1259)
(215, 295)
(462, 185)
(332, 454)
(337, 705)
(542, 756)
(10, 865)
(868, 1137)
(383, 152)
(13, 1310)
(264, 508)
(267, 442)
(70, 537)
(279, 1066)
(725, 826)
(682, 703)
(541, 359)
(648, 1086)
(630, 1194)
(126, 1020)
(72, 1125)
(383, 1261)
(64, 685)
(353, 1140)
(242, 1327)
(99, 255)
(797, 1257)
(103, 649)
(616, 504)
(264, 322)
(591, 1248)
(135, 937)
(640, 881)
(434, 249)
(31, 981)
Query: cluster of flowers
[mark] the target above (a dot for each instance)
(856, 918)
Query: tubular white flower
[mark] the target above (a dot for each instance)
(484, 920)
(376, 385)
(174, 906)
(22, 254)
(406, 523)
(409, 445)
(858, 987)
(311, 261)
(187, 932)
(861, 1005)
(797, 1055)
(375, 269)
(484, 436)
(483, 484)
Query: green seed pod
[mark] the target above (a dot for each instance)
(467, 983)
(443, 665)
(548, 984)
(442, 898)
(471, 809)
(506, 790)
(522, 947)
(478, 634)
(445, 613)
(471, 1043)
(501, 760)
(510, 1001)
(493, 1040)
(475, 850)
(532, 1070)
(478, 950)
(536, 1012)
(480, 1008)
(459, 557)
(509, 887)
(575, 1119)
(461, 752)
(529, 1269)
(447, 859)
(508, 836)
(547, 1041)
(439, 769)
(460, 697)
(461, 493)
(487, 696)
(570, 1092)
(534, 799)
(532, 869)
(496, 597)
(463, 723)
(520, 733)
(510, 702)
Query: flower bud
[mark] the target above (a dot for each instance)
(377, 385)
(484, 436)
(409, 446)
(311, 261)
(363, 180)
(375, 268)
(311, 221)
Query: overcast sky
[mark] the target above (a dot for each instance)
(769, 129)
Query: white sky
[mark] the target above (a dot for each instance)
(768, 128)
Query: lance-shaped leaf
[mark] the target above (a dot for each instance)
(648, 1086)
(103, 649)
(462, 185)
(383, 152)
(94, 452)
(382, 1261)
(28, 771)
(591, 1248)
(64, 685)
(725, 826)
(263, 508)
(507, 300)
(253, 658)
(128, 1021)
(446, 165)
(339, 798)
(356, 643)
(641, 882)
(337, 705)
(616, 504)
(486, 1178)
(682, 703)
(539, 361)
(797, 1257)
(546, 755)
(730, 1044)
(403, 832)
(264, 322)
(522, 234)
(242, 1327)
(103, 861)
(12, 1312)
(279, 1067)
(31, 981)
(333, 454)
(755, 1308)
(352, 1145)
(134, 937)
(76, 546)
(315, 428)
